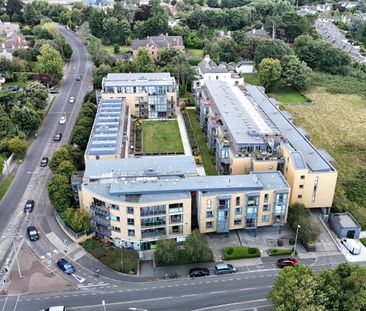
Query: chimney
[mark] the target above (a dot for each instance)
(207, 58)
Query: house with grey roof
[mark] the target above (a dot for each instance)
(154, 43)
(258, 33)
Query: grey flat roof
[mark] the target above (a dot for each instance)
(245, 123)
(346, 220)
(314, 160)
(137, 79)
(106, 135)
(160, 165)
(298, 160)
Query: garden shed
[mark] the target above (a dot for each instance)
(345, 225)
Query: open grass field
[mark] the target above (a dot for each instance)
(337, 122)
(196, 54)
(288, 95)
(122, 49)
(162, 137)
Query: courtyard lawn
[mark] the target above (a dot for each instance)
(337, 123)
(287, 95)
(252, 78)
(162, 137)
(207, 158)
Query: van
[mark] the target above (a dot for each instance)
(352, 246)
(55, 308)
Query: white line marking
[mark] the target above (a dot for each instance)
(16, 303)
(190, 295)
(218, 292)
(5, 303)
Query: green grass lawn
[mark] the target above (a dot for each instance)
(118, 259)
(196, 53)
(122, 49)
(207, 158)
(363, 241)
(280, 251)
(287, 95)
(183, 259)
(162, 136)
(4, 186)
(251, 78)
(240, 252)
(18, 83)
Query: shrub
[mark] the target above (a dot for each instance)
(239, 252)
(279, 242)
(363, 241)
(279, 252)
(291, 241)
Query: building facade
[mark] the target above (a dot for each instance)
(137, 201)
(248, 133)
(148, 95)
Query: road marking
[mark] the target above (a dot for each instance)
(189, 295)
(252, 308)
(16, 303)
(6, 299)
(42, 257)
(218, 292)
(55, 251)
(230, 304)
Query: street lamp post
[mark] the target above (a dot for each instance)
(39, 185)
(104, 306)
(297, 233)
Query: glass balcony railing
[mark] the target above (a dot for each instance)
(101, 221)
(152, 213)
(152, 233)
(99, 210)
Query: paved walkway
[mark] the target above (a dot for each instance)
(183, 134)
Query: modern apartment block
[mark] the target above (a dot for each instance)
(249, 133)
(137, 201)
(149, 95)
(110, 135)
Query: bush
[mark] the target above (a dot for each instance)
(280, 252)
(291, 241)
(239, 252)
(363, 241)
(279, 242)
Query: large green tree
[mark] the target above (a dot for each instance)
(80, 221)
(59, 191)
(271, 49)
(60, 155)
(269, 72)
(36, 94)
(31, 15)
(17, 146)
(295, 73)
(25, 117)
(166, 251)
(144, 61)
(7, 127)
(66, 168)
(50, 62)
(116, 31)
(196, 246)
(13, 7)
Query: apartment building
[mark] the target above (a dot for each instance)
(148, 95)
(110, 135)
(249, 133)
(137, 201)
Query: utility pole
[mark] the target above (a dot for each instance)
(15, 250)
(273, 30)
(297, 233)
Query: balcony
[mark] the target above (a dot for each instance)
(152, 213)
(149, 224)
(153, 233)
(101, 221)
(99, 210)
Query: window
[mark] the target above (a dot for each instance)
(176, 208)
(209, 214)
(270, 168)
(299, 196)
(237, 201)
(115, 218)
(176, 218)
(302, 177)
(209, 204)
(98, 202)
(131, 232)
(118, 229)
(266, 197)
(237, 221)
(265, 218)
(129, 210)
(176, 229)
(301, 186)
(238, 211)
(266, 207)
(130, 221)
(209, 224)
(115, 207)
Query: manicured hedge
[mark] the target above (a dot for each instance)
(280, 251)
(240, 252)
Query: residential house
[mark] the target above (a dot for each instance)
(12, 39)
(258, 33)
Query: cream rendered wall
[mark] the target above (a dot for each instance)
(264, 165)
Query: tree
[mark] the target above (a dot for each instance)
(296, 289)
(115, 31)
(36, 94)
(5, 64)
(50, 62)
(31, 15)
(7, 127)
(60, 155)
(59, 191)
(295, 73)
(197, 248)
(13, 6)
(80, 221)
(17, 146)
(144, 61)
(81, 132)
(65, 168)
(269, 72)
(271, 49)
(166, 251)
(25, 117)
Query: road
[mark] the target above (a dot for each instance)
(246, 290)
(30, 176)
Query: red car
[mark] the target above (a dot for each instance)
(287, 262)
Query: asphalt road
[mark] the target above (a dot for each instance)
(30, 176)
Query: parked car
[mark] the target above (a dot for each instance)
(79, 77)
(55, 308)
(224, 268)
(32, 233)
(63, 119)
(14, 88)
(287, 262)
(44, 161)
(72, 100)
(28, 207)
(352, 246)
(197, 272)
(57, 137)
(53, 90)
(65, 266)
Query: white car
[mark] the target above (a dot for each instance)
(352, 246)
(72, 100)
(63, 119)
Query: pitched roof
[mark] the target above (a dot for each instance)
(161, 41)
(208, 66)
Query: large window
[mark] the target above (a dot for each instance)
(176, 218)
(153, 221)
(98, 202)
(150, 233)
(176, 229)
(152, 210)
(253, 201)
(176, 208)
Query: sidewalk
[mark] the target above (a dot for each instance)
(183, 134)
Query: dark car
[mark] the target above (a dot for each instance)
(54, 90)
(44, 161)
(32, 233)
(57, 137)
(197, 272)
(65, 266)
(28, 207)
(14, 88)
(224, 268)
(287, 262)
(79, 77)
